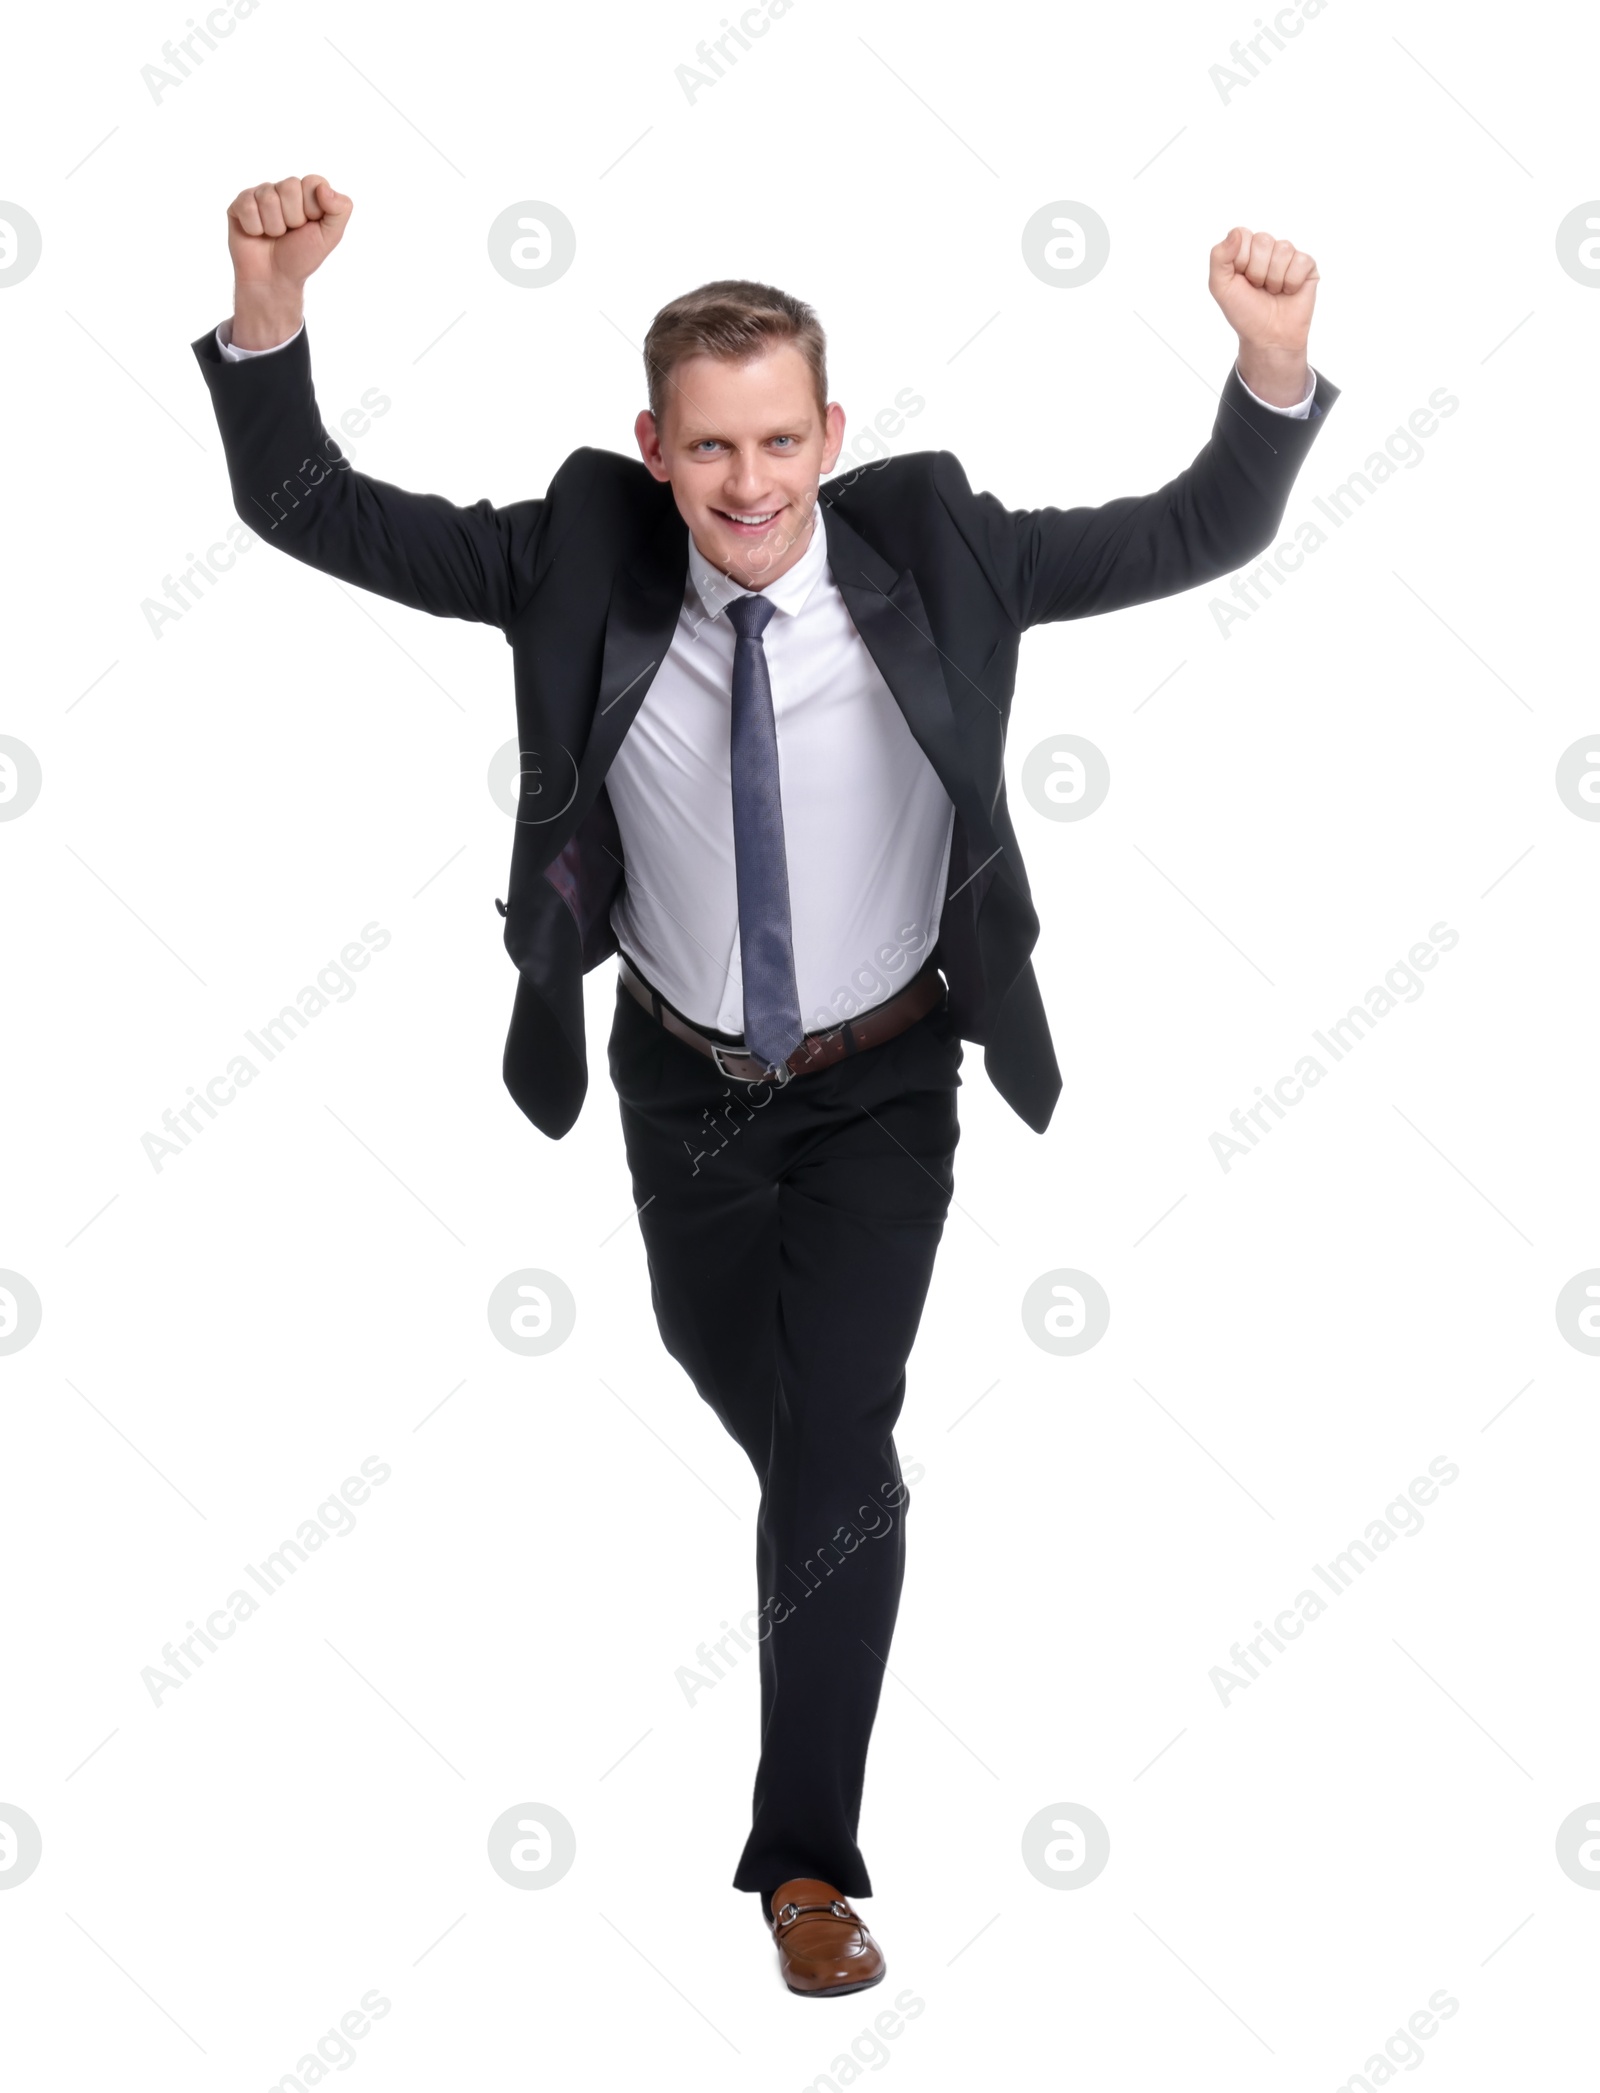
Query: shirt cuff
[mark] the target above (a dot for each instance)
(1299, 412)
(230, 354)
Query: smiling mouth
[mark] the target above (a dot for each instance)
(749, 523)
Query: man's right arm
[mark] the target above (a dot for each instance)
(291, 482)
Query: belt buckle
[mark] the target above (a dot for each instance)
(776, 1076)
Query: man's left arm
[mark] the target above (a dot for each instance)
(1222, 510)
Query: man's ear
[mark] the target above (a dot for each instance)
(648, 438)
(833, 438)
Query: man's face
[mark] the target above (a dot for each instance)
(744, 446)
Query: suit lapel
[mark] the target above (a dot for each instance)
(641, 617)
(887, 610)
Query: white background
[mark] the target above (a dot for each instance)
(1291, 1341)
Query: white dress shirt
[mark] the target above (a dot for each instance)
(866, 822)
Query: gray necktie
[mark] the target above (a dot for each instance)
(772, 1023)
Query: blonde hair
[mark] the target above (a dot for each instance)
(732, 319)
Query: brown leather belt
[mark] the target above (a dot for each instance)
(818, 1050)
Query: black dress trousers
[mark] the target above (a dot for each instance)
(791, 1235)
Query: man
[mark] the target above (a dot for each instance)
(762, 724)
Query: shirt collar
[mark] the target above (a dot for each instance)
(788, 593)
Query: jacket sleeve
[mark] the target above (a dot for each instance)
(1223, 509)
(296, 489)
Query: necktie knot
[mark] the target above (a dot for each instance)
(750, 615)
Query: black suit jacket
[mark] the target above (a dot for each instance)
(586, 583)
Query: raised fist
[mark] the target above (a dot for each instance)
(280, 232)
(1266, 288)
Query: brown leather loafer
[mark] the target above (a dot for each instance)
(824, 1948)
